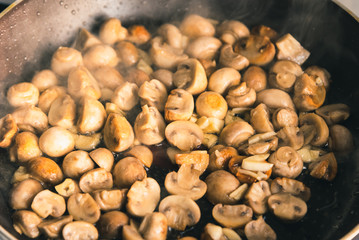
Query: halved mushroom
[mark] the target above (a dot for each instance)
(334, 113)
(190, 76)
(62, 112)
(283, 117)
(309, 92)
(8, 129)
(180, 211)
(137, 76)
(143, 197)
(80, 82)
(220, 156)
(203, 47)
(84, 39)
(47, 203)
(340, 139)
(325, 167)
(154, 226)
(232, 30)
(110, 199)
(290, 136)
(52, 228)
(45, 170)
(290, 49)
(77, 163)
(23, 94)
(100, 55)
(263, 30)
(26, 222)
(111, 223)
(261, 143)
(83, 207)
(287, 162)
(321, 73)
(283, 74)
(287, 207)
(127, 171)
(255, 77)
(241, 96)
(87, 142)
(195, 26)
(48, 96)
(103, 158)
(184, 134)
(197, 159)
(30, 118)
(179, 105)
(275, 98)
(138, 34)
(222, 79)
(237, 114)
(257, 196)
(320, 130)
(259, 50)
(165, 76)
(260, 119)
(67, 187)
(236, 133)
(127, 53)
(211, 104)
(108, 77)
(112, 31)
(186, 182)
(26, 147)
(292, 186)
(210, 124)
(79, 230)
(229, 58)
(44, 79)
(129, 232)
(259, 229)
(126, 96)
(118, 133)
(215, 232)
(64, 60)
(220, 185)
(92, 115)
(173, 36)
(232, 216)
(95, 179)
(142, 153)
(154, 94)
(23, 193)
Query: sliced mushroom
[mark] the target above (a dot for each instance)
(30, 118)
(84, 39)
(179, 105)
(95, 179)
(126, 96)
(127, 171)
(180, 211)
(263, 30)
(220, 156)
(232, 30)
(154, 94)
(236, 133)
(260, 119)
(64, 60)
(67, 187)
(259, 229)
(184, 134)
(320, 130)
(103, 158)
(8, 129)
(100, 55)
(321, 73)
(118, 133)
(232, 216)
(87, 142)
(82, 83)
(203, 47)
(287, 162)
(138, 34)
(212, 232)
(275, 98)
(77, 163)
(257, 196)
(290, 136)
(23, 193)
(111, 199)
(111, 223)
(26, 147)
(44, 79)
(45, 170)
(222, 79)
(211, 104)
(241, 96)
(334, 113)
(48, 96)
(199, 160)
(290, 49)
(62, 112)
(190, 76)
(79, 230)
(325, 167)
(154, 226)
(229, 58)
(23, 94)
(292, 186)
(127, 52)
(195, 26)
(283, 74)
(52, 228)
(165, 76)
(340, 139)
(283, 117)
(143, 197)
(83, 207)
(47, 203)
(287, 207)
(26, 222)
(173, 36)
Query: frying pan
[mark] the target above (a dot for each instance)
(31, 30)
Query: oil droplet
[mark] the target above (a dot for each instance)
(66, 6)
(25, 58)
(73, 12)
(10, 71)
(61, 3)
(45, 1)
(7, 59)
(23, 11)
(38, 13)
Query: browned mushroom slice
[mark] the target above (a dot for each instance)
(211, 104)
(232, 30)
(110, 199)
(275, 98)
(321, 73)
(292, 186)
(26, 222)
(179, 105)
(81, 83)
(154, 226)
(283, 74)
(8, 129)
(309, 92)
(26, 147)
(184, 134)
(229, 58)
(30, 118)
(143, 197)
(45, 170)
(260, 119)
(283, 117)
(259, 229)
(111, 223)
(232, 216)
(64, 60)
(235, 133)
(195, 26)
(334, 113)
(287, 162)
(290, 136)
(340, 139)
(180, 211)
(263, 30)
(222, 79)
(255, 77)
(79, 230)
(47, 203)
(241, 96)
(259, 50)
(103, 158)
(219, 157)
(77, 163)
(325, 167)
(52, 228)
(138, 34)
(198, 159)
(287, 207)
(257, 196)
(290, 49)
(186, 182)
(67, 187)
(127, 171)
(319, 127)
(84, 39)
(23, 193)
(83, 207)
(95, 179)
(118, 133)
(91, 115)
(142, 153)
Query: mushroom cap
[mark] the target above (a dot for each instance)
(91, 115)
(125, 96)
(127, 171)
(44, 79)
(83, 207)
(80, 82)
(236, 133)
(79, 230)
(292, 186)
(284, 117)
(259, 229)
(23, 193)
(47, 203)
(180, 211)
(23, 94)
(127, 53)
(103, 158)
(334, 113)
(275, 98)
(26, 147)
(287, 162)
(26, 222)
(222, 79)
(53, 227)
(62, 112)
(260, 119)
(112, 31)
(154, 226)
(232, 30)
(232, 216)
(64, 60)
(211, 104)
(108, 77)
(165, 76)
(110, 224)
(257, 196)
(229, 58)
(45, 170)
(30, 118)
(77, 163)
(96, 179)
(319, 126)
(8, 130)
(142, 153)
(287, 207)
(100, 55)
(48, 96)
(195, 26)
(172, 35)
(154, 94)
(130, 232)
(179, 105)
(340, 139)
(241, 96)
(204, 47)
(56, 142)
(67, 187)
(112, 199)
(185, 135)
(255, 77)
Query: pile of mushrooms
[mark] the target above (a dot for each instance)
(240, 115)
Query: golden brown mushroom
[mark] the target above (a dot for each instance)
(64, 60)
(287, 162)
(325, 167)
(222, 79)
(185, 135)
(112, 31)
(45, 170)
(26, 147)
(8, 129)
(211, 104)
(236, 133)
(255, 77)
(111, 223)
(127, 171)
(154, 226)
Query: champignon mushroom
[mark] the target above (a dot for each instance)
(179, 105)
(79, 230)
(220, 156)
(62, 112)
(45, 170)
(127, 171)
(232, 216)
(195, 26)
(320, 130)
(290, 49)
(215, 232)
(129, 232)
(283, 117)
(222, 79)
(47, 203)
(180, 211)
(142, 153)
(26, 147)
(259, 229)
(203, 47)
(111, 223)
(340, 139)
(108, 77)
(126, 96)
(83, 207)
(275, 98)
(287, 162)
(52, 228)
(64, 60)
(8, 129)
(23, 193)
(30, 118)
(321, 73)
(23, 94)
(143, 197)
(44, 79)
(263, 30)
(100, 55)
(154, 226)
(26, 222)
(211, 104)
(48, 96)
(198, 159)
(334, 113)
(236, 133)
(154, 94)
(110, 199)
(77, 163)
(283, 74)
(325, 167)
(112, 31)
(257, 196)
(127, 52)
(91, 115)
(292, 186)
(290, 136)
(95, 179)
(56, 142)
(220, 185)
(260, 119)
(173, 36)
(138, 34)
(229, 58)
(103, 158)
(84, 39)
(185, 135)
(241, 96)
(210, 124)
(232, 30)
(165, 76)
(118, 133)
(287, 207)
(80, 82)
(67, 187)
(190, 76)
(255, 77)
(260, 144)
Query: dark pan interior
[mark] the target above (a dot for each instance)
(33, 29)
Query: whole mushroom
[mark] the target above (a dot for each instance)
(195, 26)
(125, 96)
(64, 60)
(222, 79)
(236, 133)
(255, 77)
(287, 162)
(91, 115)
(79, 230)
(111, 223)
(127, 171)
(23, 94)
(211, 104)
(204, 47)
(77, 163)
(44, 79)
(45, 170)
(112, 31)
(232, 216)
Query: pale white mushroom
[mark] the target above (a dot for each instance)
(172, 35)
(229, 58)
(232, 216)
(222, 79)
(100, 55)
(91, 115)
(185, 135)
(67, 187)
(126, 96)
(179, 105)
(111, 199)
(23, 94)
(64, 60)
(83, 207)
(195, 26)
(81, 83)
(48, 96)
(62, 112)
(44, 79)
(108, 77)
(103, 158)
(47, 203)
(232, 30)
(56, 142)
(154, 94)
(112, 31)
(203, 47)
(77, 163)
(290, 49)
(95, 179)
(79, 230)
